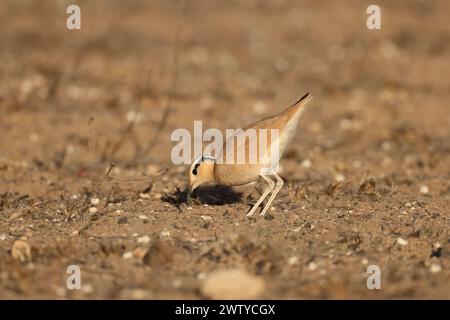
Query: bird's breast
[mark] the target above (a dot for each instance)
(236, 174)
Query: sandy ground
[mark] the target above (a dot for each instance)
(367, 177)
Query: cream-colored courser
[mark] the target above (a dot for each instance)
(205, 169)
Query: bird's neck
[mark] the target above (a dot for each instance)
(208, 171)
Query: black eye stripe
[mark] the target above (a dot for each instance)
(194, 172)
(195, 169)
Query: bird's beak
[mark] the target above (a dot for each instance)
(191, 189)
(188, 197)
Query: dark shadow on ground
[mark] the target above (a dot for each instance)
(211, 195)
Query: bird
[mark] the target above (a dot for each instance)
(279, 130)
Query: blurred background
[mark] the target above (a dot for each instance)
(376, 139)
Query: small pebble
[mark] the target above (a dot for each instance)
(312, 266)
(435, 268)
(143, 217)
(93, 210)
(165, 234)
(402, 241)
(293, 261)
(144, 195)
(424, 189)
(306, 163)
(95, 201)
(201, 276)
(143, 239)
(127, 255)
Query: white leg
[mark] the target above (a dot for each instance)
(263, 196)
(277, 188)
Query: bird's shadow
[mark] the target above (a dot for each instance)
(211, 195)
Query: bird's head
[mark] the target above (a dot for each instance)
(200, 172)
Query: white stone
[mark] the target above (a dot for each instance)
(312, 266)
(201, 276)
(435, 268)
(424, 189)
(143, 239)
(306, 163)
(402, 241)
(293, 261)
(128, 255)
(165, 234)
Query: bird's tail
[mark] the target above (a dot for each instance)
(303, 100)
(299, 104)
